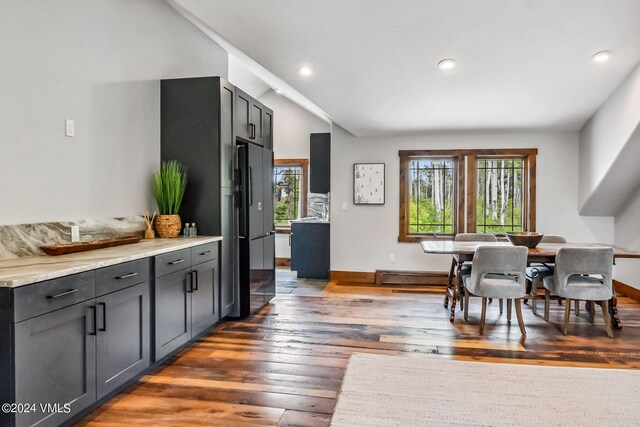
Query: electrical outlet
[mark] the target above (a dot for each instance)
(392, 257)
(75, 233)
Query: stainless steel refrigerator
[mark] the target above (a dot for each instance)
(256, 235)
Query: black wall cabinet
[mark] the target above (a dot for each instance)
(320, 163)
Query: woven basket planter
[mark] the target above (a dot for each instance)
(168, 226)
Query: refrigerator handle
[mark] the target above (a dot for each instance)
(249, 186)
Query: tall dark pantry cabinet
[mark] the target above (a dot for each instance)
(202, 126)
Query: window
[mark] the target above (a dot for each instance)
(290, 191)
(431, 196)
(499, 199)
(444, 192)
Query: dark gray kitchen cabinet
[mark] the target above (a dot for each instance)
(55, 363)
(320, 163)
(310, 249)
(200, 118)
(187, 297)
(172, 312)
(204, 297)
(123, 336)
(253, 120)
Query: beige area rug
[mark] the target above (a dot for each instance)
(381, 390)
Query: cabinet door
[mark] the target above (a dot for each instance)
(243, 115)
(228, 254)
(57, 363)
(227, 142)
(320, 163)
(172, 312)
(256, 122)
(267, 124)
(267, 191)
(123, 339)
(204, 299)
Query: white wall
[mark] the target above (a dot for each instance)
(291, 128)
(608, 150)
(99, 63)
(363, 236)
(627, 235)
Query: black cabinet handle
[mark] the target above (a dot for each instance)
(61, 294)
(195, 275)
(189, 285)
(249, 187)
(205, 253)
(104, 316)
(95, 319)
(178, 261)
(126, 276)
(252, 129)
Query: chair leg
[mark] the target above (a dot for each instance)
(592, 310)
(466, 304)
(534, 295)
(483, 314)
(547, 301)
(577, 303)
(445, 303)
(500, 305)
(528, 290)
(509, 301)
(567, 312)
(519, 316)
(607, 318)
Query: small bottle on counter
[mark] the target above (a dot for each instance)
(194, 230)
(187, 231)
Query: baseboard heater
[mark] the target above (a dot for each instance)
(403, 277)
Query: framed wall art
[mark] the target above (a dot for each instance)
(368, 184)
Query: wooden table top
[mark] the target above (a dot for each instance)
(451, 247)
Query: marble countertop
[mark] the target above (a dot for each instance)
(26, 270)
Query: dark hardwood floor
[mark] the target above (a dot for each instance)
(284, 365)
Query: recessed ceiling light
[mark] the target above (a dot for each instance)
(304, 71)
(446, 64)
(601, 56)
(279, 91)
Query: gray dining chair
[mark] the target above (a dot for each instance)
(537, 271)
(498, 272)
(466, 267)
(583, 274)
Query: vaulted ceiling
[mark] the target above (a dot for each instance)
(521, 64)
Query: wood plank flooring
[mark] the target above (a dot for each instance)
(284, 365)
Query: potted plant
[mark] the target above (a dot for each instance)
(168, 185)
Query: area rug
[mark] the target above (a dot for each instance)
(380, 390)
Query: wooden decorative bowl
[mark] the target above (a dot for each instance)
(524, 238)
(69, 248)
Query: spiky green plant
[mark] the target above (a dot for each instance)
(168, 185)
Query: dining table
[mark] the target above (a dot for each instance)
(543, 253)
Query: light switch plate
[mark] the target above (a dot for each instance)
(344, 206)
(75, 233)
(69, 127)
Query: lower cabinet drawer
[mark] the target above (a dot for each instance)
(173, 261)
(204, 253)
(121, 276)
(40, 298)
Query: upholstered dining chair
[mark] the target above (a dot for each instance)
(536, 272)
(498, 272)
(466, 267)
(583, 274)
